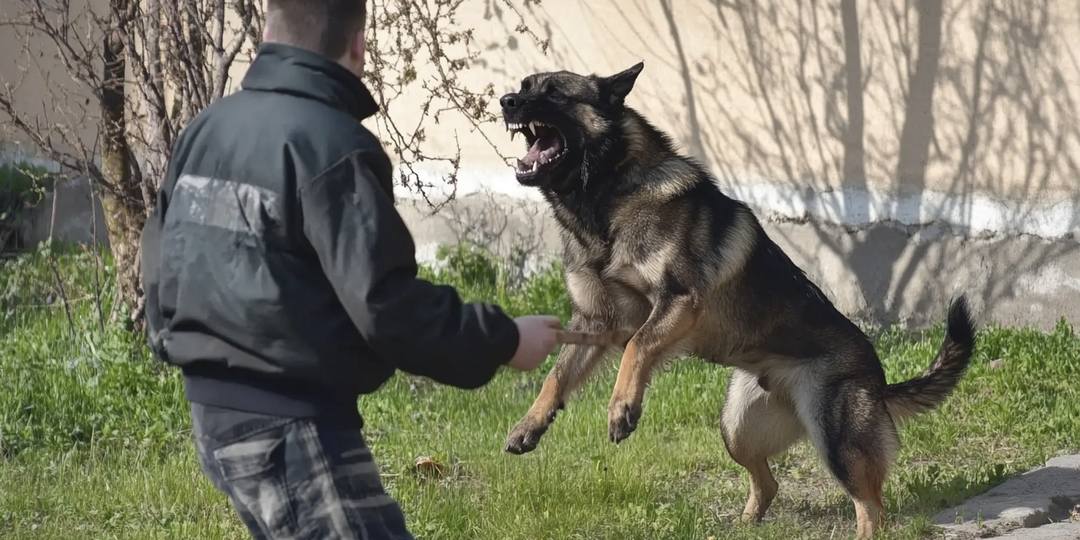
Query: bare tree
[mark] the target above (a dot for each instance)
(145, 69)
(149, 66)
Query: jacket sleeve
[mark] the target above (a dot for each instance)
(150, 271)
(369, 257)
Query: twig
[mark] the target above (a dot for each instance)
(63, 295)
(56, 269)
(96, 254)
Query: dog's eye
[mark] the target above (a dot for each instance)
(555, 94)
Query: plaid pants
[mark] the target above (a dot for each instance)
(295, 479)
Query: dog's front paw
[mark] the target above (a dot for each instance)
(622, 420)
(525, 436)
(747, 519)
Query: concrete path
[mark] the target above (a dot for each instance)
(1036, 505)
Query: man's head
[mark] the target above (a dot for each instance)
(332, 28)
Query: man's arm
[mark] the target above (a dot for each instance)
(150, 269)
(369, 256)
(150, 262)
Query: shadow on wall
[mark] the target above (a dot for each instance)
(840, 100)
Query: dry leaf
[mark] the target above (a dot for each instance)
(427, 466)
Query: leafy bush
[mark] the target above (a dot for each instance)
(22, 185)
(480, 275)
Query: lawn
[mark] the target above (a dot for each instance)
(94, 434)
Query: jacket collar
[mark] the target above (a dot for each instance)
(292, 70)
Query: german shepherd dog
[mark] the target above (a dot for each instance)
(654, 252)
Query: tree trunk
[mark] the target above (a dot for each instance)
(124, 215)
(125, 222)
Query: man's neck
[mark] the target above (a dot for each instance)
(268, 37)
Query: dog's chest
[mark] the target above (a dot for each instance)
(623, 279)
(639, 266)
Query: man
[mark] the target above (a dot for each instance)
(280, 278)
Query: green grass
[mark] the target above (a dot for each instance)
(94, 434)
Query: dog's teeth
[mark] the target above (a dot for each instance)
(535, 164)
(512, 133)
(533, 125)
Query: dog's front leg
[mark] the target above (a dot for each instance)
(572, 368)
(671, 320)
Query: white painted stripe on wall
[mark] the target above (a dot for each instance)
(977, 213)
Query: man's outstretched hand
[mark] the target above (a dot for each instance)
(537, 340)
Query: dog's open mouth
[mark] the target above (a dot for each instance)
(546, 147)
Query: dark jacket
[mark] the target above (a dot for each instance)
(278, 274)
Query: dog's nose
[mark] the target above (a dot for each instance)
(510, 101)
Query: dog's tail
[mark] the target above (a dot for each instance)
(927, 391)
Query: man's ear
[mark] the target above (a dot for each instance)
(359, 45)
(619, 85)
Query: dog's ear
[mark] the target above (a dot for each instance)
(618, 86)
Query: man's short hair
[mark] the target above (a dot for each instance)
(323, 26)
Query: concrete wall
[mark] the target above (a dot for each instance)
(70, 213)
(44, 92)
(50, 88)
(944, 158)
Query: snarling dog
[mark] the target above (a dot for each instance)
(653, 248)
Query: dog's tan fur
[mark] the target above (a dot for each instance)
(652, 249)
(613, 338)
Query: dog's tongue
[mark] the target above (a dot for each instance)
(545, 148)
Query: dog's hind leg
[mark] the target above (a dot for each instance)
(572, 368)
(852, 430)
(757, 424)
